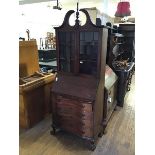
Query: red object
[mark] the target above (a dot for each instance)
(123, 9)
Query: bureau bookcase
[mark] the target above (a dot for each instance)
(78, 92)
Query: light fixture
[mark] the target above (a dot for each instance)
(57, 6)
(123, 9)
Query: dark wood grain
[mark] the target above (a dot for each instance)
(78, 94)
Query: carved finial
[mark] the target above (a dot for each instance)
(77, 14)
(77, 6)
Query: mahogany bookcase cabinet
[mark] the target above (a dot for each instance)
(78, 92)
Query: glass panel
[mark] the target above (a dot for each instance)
(66, 50)
(88, 67)
(64, 65)
(67, 66)
(72, 50)
(88, 36)
(95, 35)
(88, 52)
(72, 66)
(62, 37)
(68, 37)
(82, 36)
(62, 53)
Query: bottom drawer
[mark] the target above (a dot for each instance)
(79, 126)
(88, 132)
(77, 129)
(75, 116)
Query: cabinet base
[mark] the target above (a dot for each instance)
(90, 142)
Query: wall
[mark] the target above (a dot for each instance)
(40, 18)
(95, 13)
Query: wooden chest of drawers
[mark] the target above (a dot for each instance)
(75, 116)
(77, 106)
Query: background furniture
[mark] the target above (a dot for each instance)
(47, 59)
(124, 80)
(128, 30)
(48, 66)
(47, 55)
(34, 87)
(120, 51)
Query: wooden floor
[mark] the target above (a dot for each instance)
(119, 140)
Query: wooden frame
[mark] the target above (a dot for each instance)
(85, 90)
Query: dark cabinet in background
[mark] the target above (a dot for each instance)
(128, 30)
(46, 55)
(120, 50)
(47, 59)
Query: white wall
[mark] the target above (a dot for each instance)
(39, 19)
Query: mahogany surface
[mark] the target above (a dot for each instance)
(78, 93)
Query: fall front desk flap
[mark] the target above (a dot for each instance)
(82, 86)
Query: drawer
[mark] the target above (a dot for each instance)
(70, 106)
(74, 115)
(87, 107)
(87, 124)
(87, 132)
(72, 109)
(69, 112)
(69, 118)
(66, 105)
(68, 101)
(65, 102)
(83, 121)
(74, 122)
(87, 116)
(77, 128)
